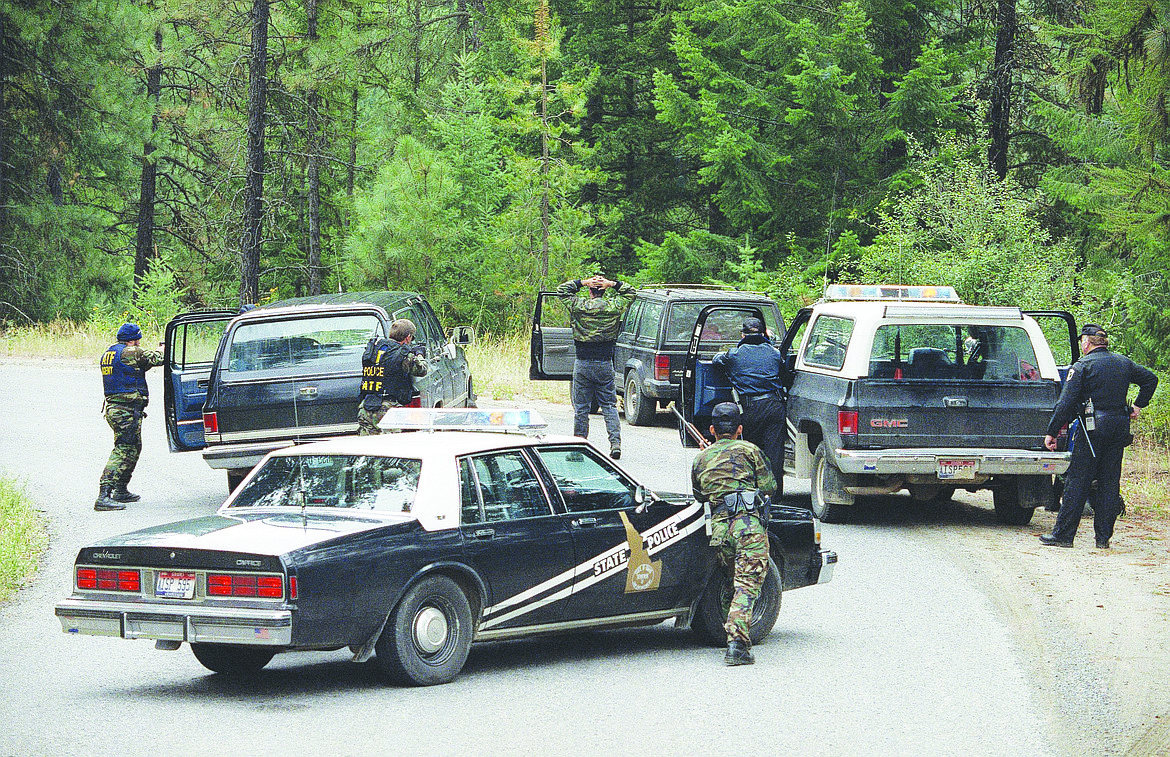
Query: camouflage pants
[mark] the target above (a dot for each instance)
(127, 425)
(368, 419)
(741, 549)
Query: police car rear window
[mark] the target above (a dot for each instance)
(949, 351)
(352, 481)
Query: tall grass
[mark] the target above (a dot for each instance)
(22, 538)
(61, 340)
(499, 370)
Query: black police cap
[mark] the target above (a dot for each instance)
(752, 326)
(725, 417)
(1092, 329)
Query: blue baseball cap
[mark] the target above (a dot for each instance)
(129, 332)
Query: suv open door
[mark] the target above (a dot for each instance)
(192, 341)
(716, 329)
(551, 351)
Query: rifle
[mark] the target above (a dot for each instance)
(689, 427)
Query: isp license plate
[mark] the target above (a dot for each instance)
(175, 585)
(956, 469)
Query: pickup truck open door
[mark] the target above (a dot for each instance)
(192, 342)
(1058, 325)
(703, 386)
(551, 351)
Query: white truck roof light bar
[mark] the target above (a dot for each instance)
(515, 420)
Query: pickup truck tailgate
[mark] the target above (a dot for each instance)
(907, 413)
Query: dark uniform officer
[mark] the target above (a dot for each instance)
(124, 366)
(388, 365)
(733, 476)
(1101, 378)
(757, 371)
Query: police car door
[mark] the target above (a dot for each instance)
(1060, 330)
(521, 549)
(629, 559)
(192, 341)
(703, 387)
(551, 351)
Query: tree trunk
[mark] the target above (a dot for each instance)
(1001, 88)
(314, 169)
(254, 166)
(144, 238)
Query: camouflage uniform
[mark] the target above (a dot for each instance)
(413, 364)
(124, 412)
(740, 542)
(596, 322)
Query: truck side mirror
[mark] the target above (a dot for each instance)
(463, 335)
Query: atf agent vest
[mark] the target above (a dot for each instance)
(382, 374)
(119, 378)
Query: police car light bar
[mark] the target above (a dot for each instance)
(525, 421)
(891, 292)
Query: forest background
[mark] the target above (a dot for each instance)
(166, 155)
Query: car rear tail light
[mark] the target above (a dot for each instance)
(109, 579)
(662, 367)
(210, 423)
(415, 402)
(244, 585)
(292, 587)
(847, 422)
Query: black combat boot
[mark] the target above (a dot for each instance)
(738, 653)
(119, 493)
(105, 501)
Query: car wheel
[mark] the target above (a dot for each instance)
(639, 408)
(711, 612)
(232, 659)
(428, 636)
(1006, 500)
(236, 477)
(825, 511)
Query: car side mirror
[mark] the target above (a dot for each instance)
(463, 335)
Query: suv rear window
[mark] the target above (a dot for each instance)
(298, 346)
(720, 327)
(948, 351)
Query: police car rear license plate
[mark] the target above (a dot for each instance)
(175, 585)
(956, 469)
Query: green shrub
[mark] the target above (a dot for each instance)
(22, 537)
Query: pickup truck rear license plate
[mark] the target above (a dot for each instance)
(956, 469)
(175, 585)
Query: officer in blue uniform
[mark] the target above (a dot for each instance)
(124, 366)
(1096, 389)
(757, 371)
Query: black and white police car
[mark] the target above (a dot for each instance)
(411, 546)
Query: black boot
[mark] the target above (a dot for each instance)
(738, 653)
(105, 501)
(119, 493)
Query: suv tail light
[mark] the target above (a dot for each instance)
(244, 585)
(210, 423)
(847, 422)
(415, 401)
(107, 579)
(662, 367)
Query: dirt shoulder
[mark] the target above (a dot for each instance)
(1093, 625)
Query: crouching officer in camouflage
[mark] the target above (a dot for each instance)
(733, 476)
(387, 367)
(124, 366)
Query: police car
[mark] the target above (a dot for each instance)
(410, 546)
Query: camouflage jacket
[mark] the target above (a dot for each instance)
(730, 465)
(596, 319)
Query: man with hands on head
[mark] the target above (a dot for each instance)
(596, 306)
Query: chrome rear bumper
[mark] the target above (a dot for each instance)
(213, 625)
